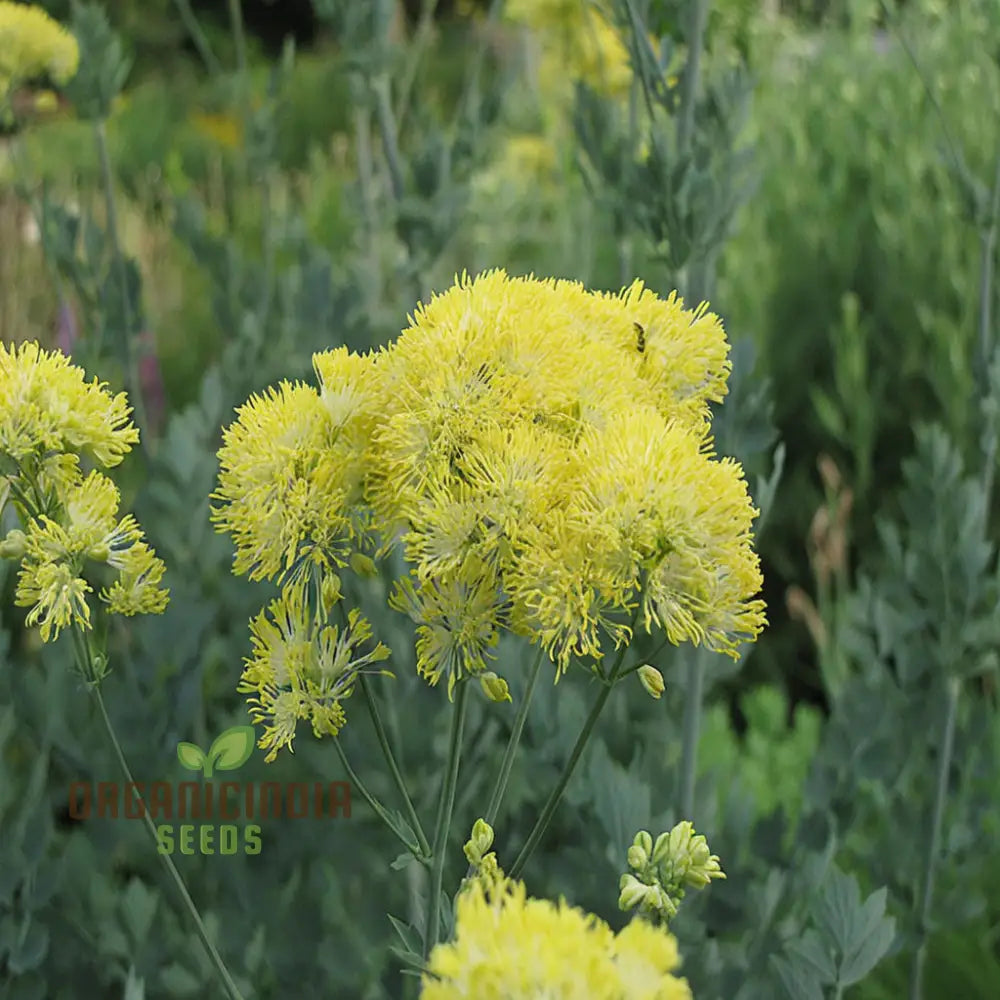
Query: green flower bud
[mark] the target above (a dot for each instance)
(363, 565)
(13, 546)
(494, 687)
(652, 680)
(99, 553)
(637, 857)
(330, 592)
(481, 842)
(633, 892)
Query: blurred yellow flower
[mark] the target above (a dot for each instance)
(224, 130)
(33, 44)
(578, 42)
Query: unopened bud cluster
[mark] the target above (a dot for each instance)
(487, 869)
(662, 871)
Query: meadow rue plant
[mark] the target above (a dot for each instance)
(542, 455)
(52, 421)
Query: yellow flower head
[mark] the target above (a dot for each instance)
(32, 44)
(542, 455)
(301, 668)
(47, 406)
(86, 529)
(49, 416)
(508, 946)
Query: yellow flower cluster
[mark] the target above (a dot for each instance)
(579, 42)
(32, 44)
(292, 491)
(542, 453)
(50, 417)
(508, 946)
(302, 668)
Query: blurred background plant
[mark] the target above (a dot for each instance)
(225, 188)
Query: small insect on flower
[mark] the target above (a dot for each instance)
(640, 338)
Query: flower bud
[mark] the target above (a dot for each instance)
(101, 552)
(652, 680)
(480, 843)
(494, 687)
(363, 565)
(13, 546)
(330, 591)
(637, 857)
(633, 892)
(645, 841)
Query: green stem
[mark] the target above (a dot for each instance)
(232, 991)
(693, 697)
(933, 846)
(697, 18)
(377, 806)
(239, 39)
(388, 131)
(555, 796)
(394, 770)
(515, 738)
(118, 259)
(432, 932)
(417, 48)
(198, 36)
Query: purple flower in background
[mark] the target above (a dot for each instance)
(67, 327)
(151, 381)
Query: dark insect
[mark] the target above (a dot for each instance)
(640, 338)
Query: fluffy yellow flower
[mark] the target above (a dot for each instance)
(542, 455)
(50, 416)
(301, 668)
(86, 528)
(46, 405)
(508, 946)
(289, 478)
(32, 44)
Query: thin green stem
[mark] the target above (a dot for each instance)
(552, 803)
(198, 36)
(118, 262)
(416, 52)
(515, 738)
(390, 137)
(446, 805)
(394, 770)
(694, 696)
(377, 807)
(934, 841)
(697, 19)
(988, 251)
(239, 39)
(232, 991)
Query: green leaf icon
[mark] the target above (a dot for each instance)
(231, 749)
(191, 756)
